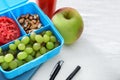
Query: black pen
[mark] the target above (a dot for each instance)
(56, 69)
(73, 73)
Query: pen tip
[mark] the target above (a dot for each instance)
(79, 67)
(61, 62)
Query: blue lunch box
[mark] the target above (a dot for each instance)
(14, 9)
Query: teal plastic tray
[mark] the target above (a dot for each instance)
(14, 9)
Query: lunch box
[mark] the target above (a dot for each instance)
(14, 9)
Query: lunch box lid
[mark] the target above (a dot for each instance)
(9, 4)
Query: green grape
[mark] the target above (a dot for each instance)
(0, 50)
(29, 58)
(36, 46)
(12, 46)
(46, 38)
(8, 57)
(4, 65)
(29, 45)
(17, 42)
(29, 50)
(12, 52)
(43, 50)
(32, 36)
(13, 64)
(19, 62)
(50, 45)
(49, 33)
(22, 55)
(39, 38)
(33, 53)
(37, 54)
(25, 40)
(53, 39)
(21, 46)
(1, 59)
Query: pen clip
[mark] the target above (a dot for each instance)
(58, 63)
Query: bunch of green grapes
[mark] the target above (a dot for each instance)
(27, 49)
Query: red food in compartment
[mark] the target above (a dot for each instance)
(8, 30)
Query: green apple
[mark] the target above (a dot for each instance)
(69, 23)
